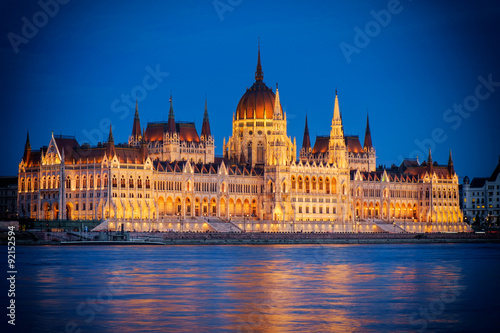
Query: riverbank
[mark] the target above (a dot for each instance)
(193, 238)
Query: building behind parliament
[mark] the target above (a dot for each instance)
(167, 177)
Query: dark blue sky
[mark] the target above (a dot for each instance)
(69, 77)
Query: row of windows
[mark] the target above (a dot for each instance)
(320, 210)
(241, 188)
(314, 183)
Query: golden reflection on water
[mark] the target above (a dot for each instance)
(284, 289)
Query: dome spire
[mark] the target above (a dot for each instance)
(205, 128)
(368, 136)
(171, 118)
(259, 74)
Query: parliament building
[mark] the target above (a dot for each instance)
(167, 177)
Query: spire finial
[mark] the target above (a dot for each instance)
(110, 137)
(259, 74)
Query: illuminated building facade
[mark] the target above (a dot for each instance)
(167, 177)
(481, 198)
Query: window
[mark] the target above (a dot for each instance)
(131, 182)
(68, 183)
(148, 183)
(139, 182)
(122, 182)
(84, 182)
(77, 182)
(98, 181)
(91, 181)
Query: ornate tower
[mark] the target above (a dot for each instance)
(136, 137)
(368, 148)
(337, 149)
(254, 124)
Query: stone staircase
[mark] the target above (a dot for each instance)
(389, 227)
(221, 225)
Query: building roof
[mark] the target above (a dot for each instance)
(353, 145)
(478, 182)
(321, 144)
(496, 172)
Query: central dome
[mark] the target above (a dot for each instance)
(259, 98)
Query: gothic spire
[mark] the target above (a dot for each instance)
(111, 143)
(205, 128)
(278, 112)
(336, 109)
(136, 128)
(306, 142)
(171, 118)
(259, 74)
(110, 136)
(27, 148)
(368, 136)
(429, 162)
(451, 169)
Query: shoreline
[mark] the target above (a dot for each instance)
(188, 238)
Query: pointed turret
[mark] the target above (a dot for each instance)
(136, 128)
(205, 128)
(336, 108)
(27, 148)
(143, 148)
(171, 118)
(111, 143)
(429, 163)
(278, 112)
(368, 136)
(306, 142)
(110, 136)
(259, 74)
(337, 152)
(451, 169)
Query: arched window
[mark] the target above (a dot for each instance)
(77, 182)
(84, 182)
(148, 182)
(314, 183)
(105, 181)
(44, 183)
(294, 183)
(35, 184)
(68, 183)
(98, 181)
(131, 182)
(139, 182)
(122, 182)
(320, 187)
(28, 181)
(22, 184)
(54, 185)
(327, 185)
(115, 181)
(58, 182)
(308, 186)
(91, 181)
(300, 182)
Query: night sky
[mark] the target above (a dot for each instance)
(407, 69)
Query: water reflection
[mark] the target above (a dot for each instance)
(333, 288)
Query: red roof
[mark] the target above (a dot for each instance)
(321, 144)
(353, 144)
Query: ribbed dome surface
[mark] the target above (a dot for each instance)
(259, 98)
